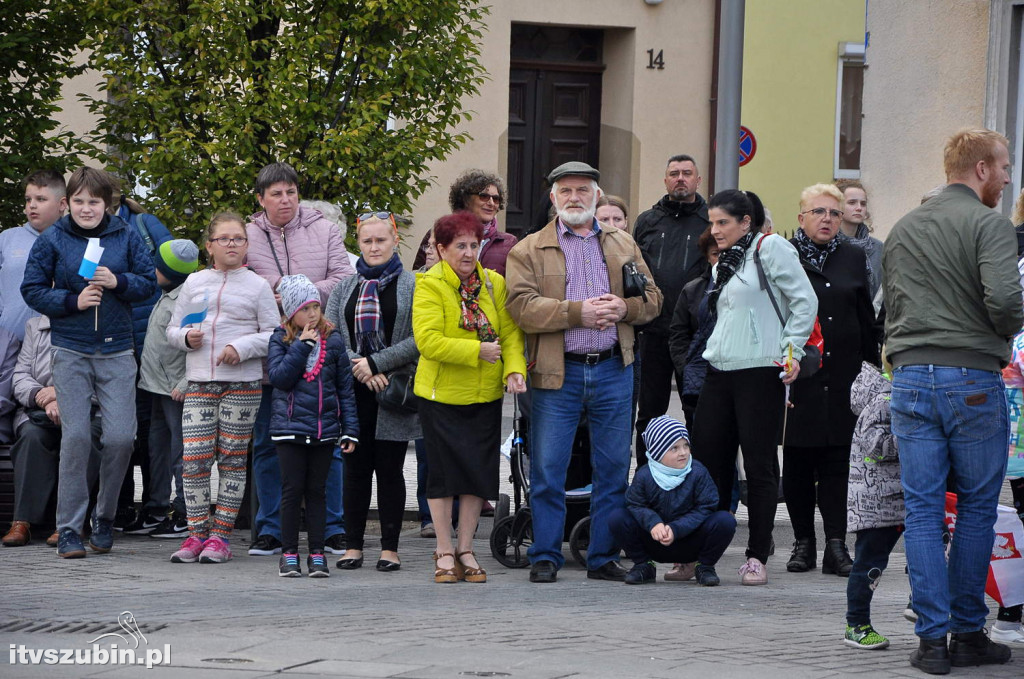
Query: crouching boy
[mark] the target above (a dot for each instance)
(670, 513)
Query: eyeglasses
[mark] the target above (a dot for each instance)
(820, 212)
(225, 241)
(382, 216)
(484, 197)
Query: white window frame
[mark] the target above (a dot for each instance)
(848, 52)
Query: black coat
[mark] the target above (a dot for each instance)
(821, 414)
(667, 235)
(685, 321)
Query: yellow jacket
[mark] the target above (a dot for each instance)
(450, 369)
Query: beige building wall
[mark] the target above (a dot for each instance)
(926, 79)
(646, 114)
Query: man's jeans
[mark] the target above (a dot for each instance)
(950, 419)
(605, 392)
(266, 472)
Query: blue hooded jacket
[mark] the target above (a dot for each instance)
(51, 286)
(324, 408)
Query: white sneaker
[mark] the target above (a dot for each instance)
(753, 572)
(1007, 636)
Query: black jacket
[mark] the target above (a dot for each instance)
(821, 414)
(685, 321)
(667, 235)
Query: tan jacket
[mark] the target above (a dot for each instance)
(536, 298)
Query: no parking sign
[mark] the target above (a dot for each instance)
(748, 145)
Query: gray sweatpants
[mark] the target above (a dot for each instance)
(76, 378)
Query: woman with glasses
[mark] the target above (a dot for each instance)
(482, 194)
(816, 449)
(374, 311)
(286, 238)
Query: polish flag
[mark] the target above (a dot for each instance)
(1006, 569)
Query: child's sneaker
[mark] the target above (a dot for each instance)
(641, 573)
(170, 528)
(215, 550)
(909, 613)
(189, 551)
(706, 576)
(1013, 635)
(102, 538)
(288, 566)
(69, 544)
(864, 637)
(316, 564)
(753, 572)
(681, 572)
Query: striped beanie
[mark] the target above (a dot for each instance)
(296, 292)
(176, 259)
(661, 433)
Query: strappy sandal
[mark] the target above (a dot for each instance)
(445, 575)
(469, 574)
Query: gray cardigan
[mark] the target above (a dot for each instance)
(391, 425)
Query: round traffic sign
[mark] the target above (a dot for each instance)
(748, 145)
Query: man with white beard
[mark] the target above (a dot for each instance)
(565, 286)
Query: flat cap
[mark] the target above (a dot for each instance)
(573, 167)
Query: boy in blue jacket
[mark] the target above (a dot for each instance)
(91, 333)
(670, 513)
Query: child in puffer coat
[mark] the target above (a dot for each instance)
(313, 409)
(874, 504)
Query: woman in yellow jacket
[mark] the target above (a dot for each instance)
(469, 348)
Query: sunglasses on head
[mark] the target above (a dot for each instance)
(382, 216)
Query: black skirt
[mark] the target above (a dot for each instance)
(463, 445)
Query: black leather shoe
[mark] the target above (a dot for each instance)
(543, 571)
(387, 566)
(612, 570)
(975, 648)
(837, 559)
(349, 564)
(931, 656)
(641, 573)
(804, 557)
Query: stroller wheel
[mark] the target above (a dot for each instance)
(510, 539)
(503, 508)
(579, 541)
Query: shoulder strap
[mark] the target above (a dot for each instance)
(144, 232)
(490, 288)
(763, 280)
(277, 261)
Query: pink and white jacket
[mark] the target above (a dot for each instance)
(241, 312)
(309, 244)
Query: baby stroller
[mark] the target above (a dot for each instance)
(512, 533)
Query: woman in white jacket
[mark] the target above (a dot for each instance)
(223, 318)
(742, 400)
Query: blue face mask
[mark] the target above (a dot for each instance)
(667, 477)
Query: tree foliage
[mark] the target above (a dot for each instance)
(38, 43)
(358, 95)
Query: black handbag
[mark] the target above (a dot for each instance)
(634, 282)
(398, 396)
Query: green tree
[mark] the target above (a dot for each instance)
(38, 43)
(202, 93)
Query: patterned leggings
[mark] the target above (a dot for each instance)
(217, 421)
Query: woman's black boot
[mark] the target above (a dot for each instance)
(804, 556)
(836, 559)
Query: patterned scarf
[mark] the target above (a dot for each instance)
(473, 317)
(728, 262)
(811, 252)
(369, 325)
(863, 240)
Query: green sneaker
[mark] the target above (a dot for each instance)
(864, 637)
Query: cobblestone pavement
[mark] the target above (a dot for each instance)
(241, 620)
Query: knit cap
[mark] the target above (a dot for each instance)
(296, 292)
(661, 433)
(176, 259)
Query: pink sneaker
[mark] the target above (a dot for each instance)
(215, 551)
(753, 572)
(189, 550)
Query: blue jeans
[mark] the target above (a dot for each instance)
(266, 473)
(706, 544)
(605, 392)
(950, 419)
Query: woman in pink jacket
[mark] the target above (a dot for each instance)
(284, 239)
